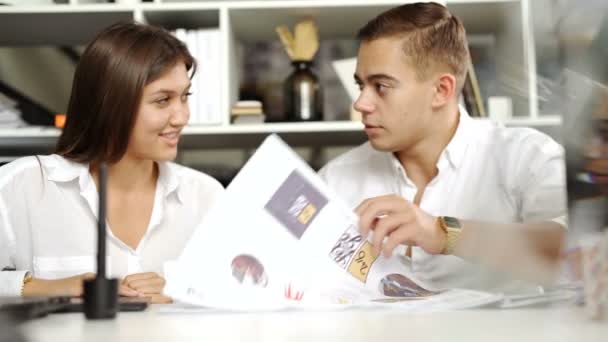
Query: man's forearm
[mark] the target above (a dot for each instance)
(528, 250)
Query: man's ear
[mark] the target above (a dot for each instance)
(445, 88)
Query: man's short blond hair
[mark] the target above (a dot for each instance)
(433, 38)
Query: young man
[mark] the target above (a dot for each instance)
(431, 177)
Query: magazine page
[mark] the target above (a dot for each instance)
(280, 238)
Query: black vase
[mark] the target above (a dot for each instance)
(303, 96)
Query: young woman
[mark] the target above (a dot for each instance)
(128, 105)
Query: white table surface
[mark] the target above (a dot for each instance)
(520, 325)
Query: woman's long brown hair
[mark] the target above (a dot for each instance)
(108, 87)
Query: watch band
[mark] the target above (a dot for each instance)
(450, 243)
(451, 226)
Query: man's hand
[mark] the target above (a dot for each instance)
(71, 286)
(401, 222)
(147, 285)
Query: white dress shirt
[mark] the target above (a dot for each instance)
(48, 220)
(487, 172)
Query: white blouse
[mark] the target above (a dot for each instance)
(48, 220)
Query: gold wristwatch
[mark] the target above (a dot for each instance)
(452, 227)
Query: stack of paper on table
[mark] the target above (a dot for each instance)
(280, 238)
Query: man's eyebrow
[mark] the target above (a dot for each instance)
(377, 77)
(382, 77)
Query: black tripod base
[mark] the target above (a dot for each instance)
(100, 298)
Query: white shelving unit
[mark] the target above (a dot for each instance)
(313, 134)
(247, 21)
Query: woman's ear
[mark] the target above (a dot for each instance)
(445, 88)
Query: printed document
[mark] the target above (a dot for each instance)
(280, 238)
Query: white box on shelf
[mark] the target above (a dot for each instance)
(345, 68)
(500, 108)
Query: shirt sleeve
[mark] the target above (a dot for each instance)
(11, 282)
(542, 181)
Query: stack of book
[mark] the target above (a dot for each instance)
(247, 112)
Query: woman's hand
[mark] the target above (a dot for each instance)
(147, 285)
(71, 286)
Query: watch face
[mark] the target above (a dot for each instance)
(452, 222)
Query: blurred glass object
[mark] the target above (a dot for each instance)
(585, 127)
(580, 95)
(586, 141)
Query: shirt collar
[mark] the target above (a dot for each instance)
(168, 177)
(60, 169)
(456, 148)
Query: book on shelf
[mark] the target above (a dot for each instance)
(248, 119)
(247, 112)
(205, 101)
(247, 107)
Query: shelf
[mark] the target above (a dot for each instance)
(241, 22)
(541, 121)
(280, 3)
(278, 127)
(174, 17)
(483, 17)
(251, 22)
(476, 2)
(337, 133)
(313, 134)
(67, 25)
(27, 141)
